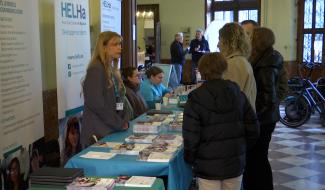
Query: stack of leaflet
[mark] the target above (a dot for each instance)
(157, 152)
(171, 139)
(136, 138)
(153, 124)
(135, 181)
(91, 183)
(129, 148)
(177, 124)
(54, 177)
(150, 125)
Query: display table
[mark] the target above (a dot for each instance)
(158, 185)
(179, 173)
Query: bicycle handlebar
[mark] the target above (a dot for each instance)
(308, 65)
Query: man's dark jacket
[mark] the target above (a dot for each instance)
(266, 72)
(177, 53)
(204, 46)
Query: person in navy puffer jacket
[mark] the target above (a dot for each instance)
(219, 126)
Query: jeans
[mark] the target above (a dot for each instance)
(178, 70)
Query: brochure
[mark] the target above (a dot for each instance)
(106, 144)
(137, 138)
(165, 152)
(135, 181)
(129, 148)
(140, 181)
(98, 155)
(171, 139)
(89, 183)
(159, 157)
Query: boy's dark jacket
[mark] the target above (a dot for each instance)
(219, 125)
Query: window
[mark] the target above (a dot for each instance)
(311, 31)
(219, 12)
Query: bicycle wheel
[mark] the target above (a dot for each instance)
(294, 110)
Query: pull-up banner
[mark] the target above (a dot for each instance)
(110, 15)
(21, 105)
(72, 44)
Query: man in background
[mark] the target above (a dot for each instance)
(249, 26)
(198, 47)
(177, 54)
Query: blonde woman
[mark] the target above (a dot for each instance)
(235, 47)
(104, 92)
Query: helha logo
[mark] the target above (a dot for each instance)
(70, 10)
(107, 4)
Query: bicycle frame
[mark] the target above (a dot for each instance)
(318, 105)
(296, 108)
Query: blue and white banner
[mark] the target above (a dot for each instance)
(21, 105)
(110, 15)
(72, 44)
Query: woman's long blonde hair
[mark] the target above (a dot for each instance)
(234, 39)
(99, 57)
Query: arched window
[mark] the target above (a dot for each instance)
(219, 12)
(311, 31)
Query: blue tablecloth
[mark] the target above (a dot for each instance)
(178, 172)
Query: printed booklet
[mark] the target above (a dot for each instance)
(171, 139)
(129, 148)
(157, 152)
(90, 183)
(135, 181)
(137, 138)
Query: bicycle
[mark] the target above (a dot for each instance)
(303, 100)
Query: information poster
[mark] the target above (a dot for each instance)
(110, 11)
(72, 43)
(21, 105)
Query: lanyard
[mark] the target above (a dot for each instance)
(115, 84)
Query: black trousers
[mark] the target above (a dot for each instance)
(258, 173)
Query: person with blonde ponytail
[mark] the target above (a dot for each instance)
(104, 92)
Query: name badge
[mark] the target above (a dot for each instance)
(119, 106)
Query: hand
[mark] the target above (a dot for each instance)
(125, 126)
(35, 162)
(199, 84)
(167, 95)
(197, 48)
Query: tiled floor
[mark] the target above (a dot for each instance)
(297, 156)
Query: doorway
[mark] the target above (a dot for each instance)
(148, 33)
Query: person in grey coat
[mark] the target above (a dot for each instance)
(104, 92)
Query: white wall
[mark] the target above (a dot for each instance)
(140, 34)
(281, 17)
(278, 15)
(176, 15)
